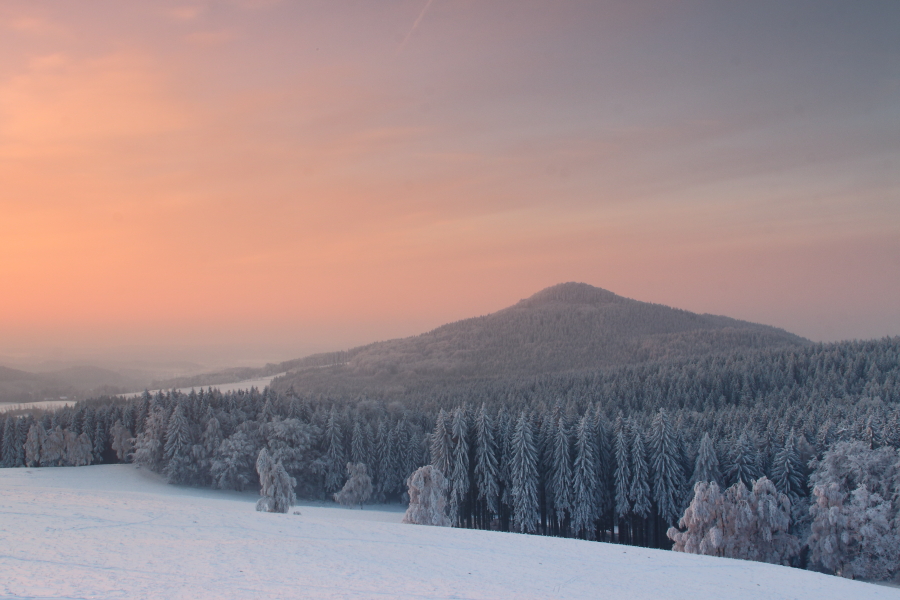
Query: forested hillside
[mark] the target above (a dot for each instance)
(567, 327)
(601, 454)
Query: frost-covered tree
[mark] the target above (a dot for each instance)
(487, 475)
(584, 480)
(149, 445)
(180, 467)
(122, 442)
(706, 467)
(787, 470)
(622, 482)
(744, 461)
(359, 451)
(703, 522)
(524, 475)
(232, 468)
(334, 453)
(10, 442)
(276, 487)
(741, 523)
(357, 489)
(852, 539)
(428, 489)
(459, 466)
(53, 448)
(99, 440)
(33, 443)
(639, 486)
(79, 449)
(441, 445)
(561, 474)
(668, 477)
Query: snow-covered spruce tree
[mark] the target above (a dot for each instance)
(787, 470)
(334, 453)
(276, 487)
(487, 476)
(232, 467)
(428, 490)
(524, 476)
(148, 446)
(622, 484)
(668, 477)
(290, 442)
(179, 465)
(604, 490)
(639, 487)
(706, 468)
(459, 467)
(357, 489)
(10, 441)
(441, 445)
(584, 481)
(561, 476)
(381, 462)
(359, 452)
(99, 440)
(743, 466)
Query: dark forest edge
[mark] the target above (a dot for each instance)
(806, 436)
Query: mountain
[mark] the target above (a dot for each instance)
(567, 327)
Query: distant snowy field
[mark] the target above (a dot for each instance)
(238, 386)
(114, 531)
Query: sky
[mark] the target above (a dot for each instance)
(257, 180)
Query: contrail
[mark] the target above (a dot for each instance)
(416, 24)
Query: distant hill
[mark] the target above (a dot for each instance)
(73, 383)
(567, 327)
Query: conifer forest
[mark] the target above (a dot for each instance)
(787, 456)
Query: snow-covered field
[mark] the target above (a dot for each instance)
(114, 531)
(245, 385)
(42, 405)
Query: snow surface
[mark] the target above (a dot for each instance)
(115, 531)
(238, 386)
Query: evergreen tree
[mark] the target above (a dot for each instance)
(441, 446)
(622, 482)
(561, 475)
(10, 441)
(276, 487)
(524, 475)
(743, 462)
(639, 488)
(668, 478)
(787, 470)
(706, 468)
(179, 464)
(584, 481)
(487, 476)
(459, 467)
(334, 453)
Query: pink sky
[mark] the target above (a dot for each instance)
(288, 177)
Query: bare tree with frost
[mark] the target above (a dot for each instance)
(428, 490)
(122, 442)
(358, 487)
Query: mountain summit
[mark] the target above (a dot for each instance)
(566, 327)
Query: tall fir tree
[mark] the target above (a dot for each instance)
(524, 475)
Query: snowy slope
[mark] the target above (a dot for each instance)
(118, 532)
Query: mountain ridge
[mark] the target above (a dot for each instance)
(566, 327)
